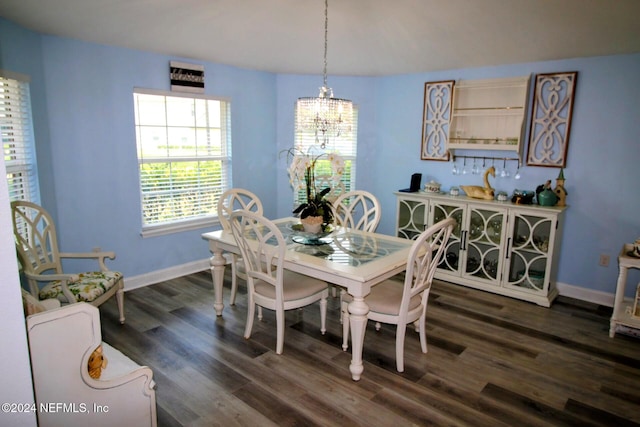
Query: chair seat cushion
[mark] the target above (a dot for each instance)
(386, 297)
(87, 288)
(295, 286)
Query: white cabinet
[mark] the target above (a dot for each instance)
(489, 114)
(498, 247)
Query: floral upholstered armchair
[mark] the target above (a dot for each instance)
(41, 261)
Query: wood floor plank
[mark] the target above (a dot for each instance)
(271, 406)
(319, 397)
(537, 386)
(533, 408)
(496, 409)
(415, 413)
(173, 407)
(404, 395)
(219, 331)
(352, 400)
(492, 361)
(220, 408)
(599, 415)
(552, 333)
(627, 392)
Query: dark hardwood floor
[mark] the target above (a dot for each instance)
(492, 361)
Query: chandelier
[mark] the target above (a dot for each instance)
(326, 116)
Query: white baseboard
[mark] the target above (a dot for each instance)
(134, 282)
(584, 294)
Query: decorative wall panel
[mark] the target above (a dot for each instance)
(551, 119)
(436, 118)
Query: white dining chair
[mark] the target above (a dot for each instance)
(357, 209)
(230, 200)
(269, 285)
(333, 182)
(400, 304)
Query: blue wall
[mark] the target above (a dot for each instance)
(82, 97)
(83, 112)
(602, 162)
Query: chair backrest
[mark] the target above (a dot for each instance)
(357, 209)
(262, 246)
(236, 198)
(333, 182)
(424, 257)
(35, 237)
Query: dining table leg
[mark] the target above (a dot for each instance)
(218, 263)
(358, 310)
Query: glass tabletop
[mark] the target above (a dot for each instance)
(340, 246)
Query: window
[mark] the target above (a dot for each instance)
(16, 126)
(184, 158)
(345, 145)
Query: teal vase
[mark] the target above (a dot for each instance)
(547, 198)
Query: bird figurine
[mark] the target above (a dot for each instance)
(478, 192)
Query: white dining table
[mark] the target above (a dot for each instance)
(352, 259)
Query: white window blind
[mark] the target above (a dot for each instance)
(18, 142)
(184, 157)
(345, 145)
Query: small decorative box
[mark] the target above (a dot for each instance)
(432, 187)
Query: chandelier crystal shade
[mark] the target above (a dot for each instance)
(326, 116)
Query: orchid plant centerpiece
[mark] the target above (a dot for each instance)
(316, 211)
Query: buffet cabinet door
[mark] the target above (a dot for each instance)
(453, 258)
(475, 248)
(412, 216)
(529, 251)
(483, 243)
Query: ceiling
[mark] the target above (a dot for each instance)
(366, 37)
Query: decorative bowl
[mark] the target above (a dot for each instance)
(307, 238)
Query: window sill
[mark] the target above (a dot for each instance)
(177, 227)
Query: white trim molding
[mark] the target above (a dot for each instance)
(584, 294)
(158, 276)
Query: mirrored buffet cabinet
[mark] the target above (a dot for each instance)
(498, 247)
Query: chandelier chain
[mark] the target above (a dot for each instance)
(327, 117)
(326, 25)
